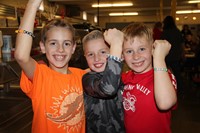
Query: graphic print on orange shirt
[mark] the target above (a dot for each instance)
(68, 110)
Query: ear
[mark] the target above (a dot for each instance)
(42, 47)
(122, 57)
(152, 48)
(74, 48)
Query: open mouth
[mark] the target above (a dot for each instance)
(98, 65)
(59, 57)
(138, 64)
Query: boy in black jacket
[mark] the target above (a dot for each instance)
(102, 91)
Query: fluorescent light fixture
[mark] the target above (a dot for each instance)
(113, 5)
(123, 14)
(187, 11)
(194, 1)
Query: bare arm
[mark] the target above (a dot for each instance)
(24, 41)
(115, 39)
(165, 94)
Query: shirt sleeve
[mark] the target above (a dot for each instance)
(104, 84)
(28, 86)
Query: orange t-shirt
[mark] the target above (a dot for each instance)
(57, 100)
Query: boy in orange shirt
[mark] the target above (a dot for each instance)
(55, 90)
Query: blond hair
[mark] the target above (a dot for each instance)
(93, 35)
(139, 30)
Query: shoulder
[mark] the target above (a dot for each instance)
(42, 68)
(77, 71)
(92, 76)
(127, 74)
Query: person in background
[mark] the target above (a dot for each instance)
(176, 55)
(190, 42)
(102, 88)
(149, 87)
(157, 30)
(191, 48)
(55, 89)
(185, 30)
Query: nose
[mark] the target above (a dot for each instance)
(60, 48)
(136, 56)
(96, 57)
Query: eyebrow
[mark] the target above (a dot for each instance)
(57, 40)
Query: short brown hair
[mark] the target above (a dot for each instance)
(95, 34)
(57, 23)
(138, 29)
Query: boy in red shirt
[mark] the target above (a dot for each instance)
(150, 88)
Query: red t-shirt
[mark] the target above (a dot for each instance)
(57, 100)
(141, 114)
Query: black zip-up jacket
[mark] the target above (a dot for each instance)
(103, 100)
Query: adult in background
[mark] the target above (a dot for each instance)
(173, 60)
(157, 30)
(185, 31)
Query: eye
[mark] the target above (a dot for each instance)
(142, 49)
(52, 43)
(68, 43)
(103, 52)
(89, 55)
(128, 52)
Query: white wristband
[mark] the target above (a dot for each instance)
(115, 58)
(160, 69)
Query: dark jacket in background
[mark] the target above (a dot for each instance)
(173, 60)
(175, 38)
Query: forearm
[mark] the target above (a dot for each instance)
(165, 94)
(103, 85)
(116, 50)
(115, 39)
(24, 41)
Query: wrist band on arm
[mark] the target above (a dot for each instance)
(115, 58)
(160, 69)
(25, 32)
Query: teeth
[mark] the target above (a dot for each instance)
(98, 65)
(59, 57)
(138, 64)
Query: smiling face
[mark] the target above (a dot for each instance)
(137, 53)
(59, 47)
(96, 54)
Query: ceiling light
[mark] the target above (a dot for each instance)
(194, 18)
(194, 1)
(84, 15)
(186, 17)
(123, 14)
(187, 11)
(113, 5)
(95, 19)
